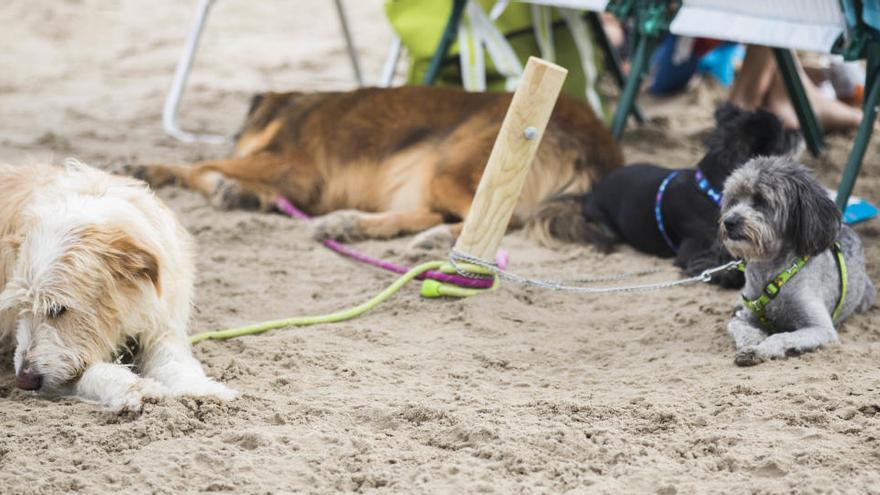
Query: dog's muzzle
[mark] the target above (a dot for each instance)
(733, 227)
(28, 380)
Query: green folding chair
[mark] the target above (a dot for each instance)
(590, 8)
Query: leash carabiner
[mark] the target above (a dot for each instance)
(706, 276)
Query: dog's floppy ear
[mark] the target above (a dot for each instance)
(255, 102)
(136, 261)
(814, 220)
(127, 259)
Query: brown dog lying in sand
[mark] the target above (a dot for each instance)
(379, 163)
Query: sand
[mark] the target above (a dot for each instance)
(519, 391)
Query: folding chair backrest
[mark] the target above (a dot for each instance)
(419, 24)
(812, 25)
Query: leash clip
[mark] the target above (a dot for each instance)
(706, 276)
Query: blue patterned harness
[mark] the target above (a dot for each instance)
(702, 183)
(705, 186)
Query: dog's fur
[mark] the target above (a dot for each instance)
(385, 162)
(89, 262)
(774, 212)
(620, 208)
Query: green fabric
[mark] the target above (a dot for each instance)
(758, 306)
(420, 23)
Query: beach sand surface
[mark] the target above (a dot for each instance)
(516, 391)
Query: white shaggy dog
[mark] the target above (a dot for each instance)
(89, 262)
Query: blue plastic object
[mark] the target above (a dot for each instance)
(720, 62)
(857, 209)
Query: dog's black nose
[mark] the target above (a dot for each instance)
(732, 223)
(28, 380)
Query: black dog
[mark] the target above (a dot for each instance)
(668, 212)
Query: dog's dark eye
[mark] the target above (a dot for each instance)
(759, 200)
(56, 311)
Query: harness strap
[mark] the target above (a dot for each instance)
(758, 306)
(658, 213)
(702, 183)
(706, 187)
(841, 265)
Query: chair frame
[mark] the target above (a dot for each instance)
(171, 109)
(866, 127)
(652, 20)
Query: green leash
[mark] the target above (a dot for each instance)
(430, 290)
(758, 306)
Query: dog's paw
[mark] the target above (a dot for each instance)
(155, 177)
(342, 225)
(201, 386)
(143, 391)
(230, 195)
(439, 238)
(218, 391)
(747, 356)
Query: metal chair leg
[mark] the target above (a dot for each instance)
(810, 127)
(612, 60)
(181, 73)
(391, 61)
(170, 110)
(863, 137)
(633, 82)
(349, 43)
(449, 34)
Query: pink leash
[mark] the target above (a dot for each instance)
(289, 209)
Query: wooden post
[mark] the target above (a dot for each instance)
(512, 155)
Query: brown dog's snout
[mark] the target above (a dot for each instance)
(27, 379)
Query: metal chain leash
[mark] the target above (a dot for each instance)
(456, 257)
(614, 278)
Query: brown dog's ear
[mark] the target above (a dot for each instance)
(134, 261)
(127, 259)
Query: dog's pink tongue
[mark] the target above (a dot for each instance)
(28, 381)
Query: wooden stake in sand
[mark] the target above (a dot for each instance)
(511, 157)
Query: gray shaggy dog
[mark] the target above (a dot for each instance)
(775, 212)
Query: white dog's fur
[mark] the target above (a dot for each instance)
(88, 262)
